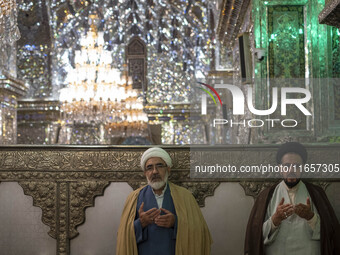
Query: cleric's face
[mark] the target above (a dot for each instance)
(156, 172)
(291, 170)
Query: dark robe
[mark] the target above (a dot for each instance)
(330, 228)
(154, 239)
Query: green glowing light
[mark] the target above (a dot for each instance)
(272, 36)
(265, 2)
(300, 31)
(338, 32)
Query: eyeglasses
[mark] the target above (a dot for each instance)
(158, 167)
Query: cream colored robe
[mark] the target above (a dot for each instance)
(294, 235)
(193, 236)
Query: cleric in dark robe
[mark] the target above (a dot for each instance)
(292, 217)
(161, 218)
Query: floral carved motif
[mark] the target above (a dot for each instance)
(82, 195)
(44, 194)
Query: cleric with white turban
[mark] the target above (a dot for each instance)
(155, 152)
(161, 217)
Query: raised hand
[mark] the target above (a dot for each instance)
(148, 217)
(166, 220)
(283, 211)
(304, 211)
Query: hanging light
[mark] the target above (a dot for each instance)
(99, 94)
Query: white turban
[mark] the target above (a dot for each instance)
(155, 153)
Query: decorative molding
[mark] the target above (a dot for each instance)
(63, 210)
(38, 110)
(63, 206)
(230, 20)
(12, 85)
(136, 184)
(330, 14)
(82, 195)
(77, 161)
(253, 188)
(201, 190)
(44, 196)
(64, 180)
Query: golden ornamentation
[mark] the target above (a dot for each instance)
(254, 188)
(64, 181)
(43, 194)
(82, 195)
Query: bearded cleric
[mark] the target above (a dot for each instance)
(161, 218)
(292, 217)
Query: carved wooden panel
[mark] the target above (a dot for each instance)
(64, 180)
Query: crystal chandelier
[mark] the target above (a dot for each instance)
(9, 31)
(98, 94)
(179, 41)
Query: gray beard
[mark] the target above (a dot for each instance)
(158, 185)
